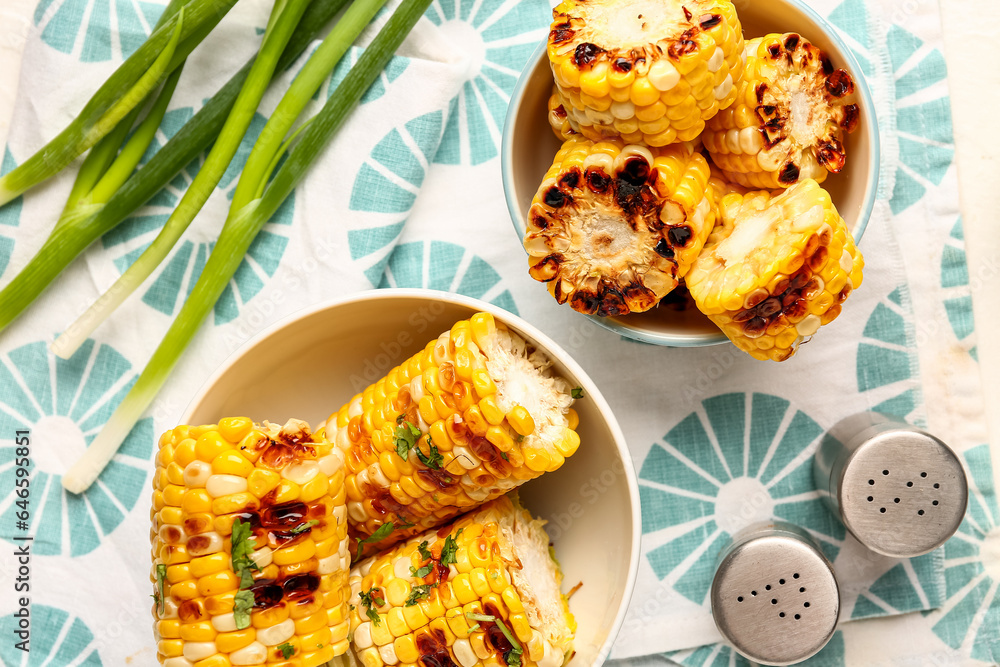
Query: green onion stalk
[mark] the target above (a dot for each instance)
(73, 236)
(237, 234)
(164, 51)
(285, 16)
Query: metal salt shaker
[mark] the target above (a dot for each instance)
(899, 490)
(775, 597)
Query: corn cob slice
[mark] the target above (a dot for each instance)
(648, 71)
(558, 119)
(613, 227)
(792, 110)
(473, 415)
(494, 562)
(781, 268)
(282, 596)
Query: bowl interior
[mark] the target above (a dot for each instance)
(310, 365)
(530, 145)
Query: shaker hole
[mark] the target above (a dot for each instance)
(920, 512)
(937, 486)
(797, 617)
(885, 472)
(882, 510)
(753, 593)
(805, 604)
(774, 600)
(781, 615)
(768, 587)
(909, 483)
(934, 502)
(871, 498)
(802, 590)
(923, 474)
(895, 500)
(795, 576)
(739, 599)
(871, 482)
(781, 581)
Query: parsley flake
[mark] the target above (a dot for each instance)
(449, 549)
(372, 599)
(158, 596)
(422, 572)
(380, 534)
(425, 553)
(406, 438)
(243, 565)
(241, 609)
(418, 593)
(577, 392)
(287, 650)
(303, 527)
(433, 459)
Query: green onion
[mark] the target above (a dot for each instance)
(237, 234)
(67, 241)
(130, 84)
(285, 16)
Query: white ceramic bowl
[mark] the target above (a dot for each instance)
(529, 145)
(309, 364)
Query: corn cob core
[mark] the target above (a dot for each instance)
(488, 415)
(279, 480)
(648, 71)
(613, 226)
(558, 119)
(791, 112)
(500, 566)
(781, 268)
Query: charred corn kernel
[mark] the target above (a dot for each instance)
(530, 577)
(780, 265)
(450, 438)
(193, 536)
(652, 73)
(791, 113)
(577, 212)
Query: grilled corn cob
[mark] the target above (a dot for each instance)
(780, 267)
(613, 227)
(250, 547)
(558, 119)
(425, 602)
(788, 123)
(648, 71)
(476, 413)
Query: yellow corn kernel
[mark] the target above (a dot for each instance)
(483, 383)
(217, 660)
(295, 553)
(569, 443)
(221, 604)
(234, 502)
(171, 515)
(314, 489)
(415, 617)
(231, 463)
(491, 411)
(184, 590)
(461, 586)
(210, 445)
(396, 622)
(184, 452)
(285, 492)
(219, 582)
(170, 648)
(573, 418)
(196, 501)
(198, 632)
(173, 495)
(235, 429)
(499, 438)
(522, 422)
(406, 649)
(169, 629)
(227, 642)
(205, 565)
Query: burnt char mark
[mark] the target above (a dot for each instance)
(280, 454)
(491, 457)
(267, 593)
(831, 155)
(300, 585)
(684, 44)
(570, 179)
(547, 269)
(789, 173)
(687, 13)
(561, 32)
(824, 60)
(634, 200)
(839, 84)
(774, 50)
(663, 249)
(586, 54)
(679, 236)
(623, 65)
(635, 171)
(792, 42)
(554, 198)
(540, 221)
(851, 116)
(433, 648)
(597, 180)
(494, 635)
(612, 303)
(709, 21)
(761, 89)
(585, 301)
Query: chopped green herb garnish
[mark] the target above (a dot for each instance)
(241, 609)
(372, 599)
(433, 459)
(303, 527)
(418, 593)
(577, 392)
(406, 438)
(400, 418)
(287, 650)
(519, 438)
(513, 656)
(158, 597)
(504, 454)
(449, 549)
(422, 572)
(425, 553)
(473, 628)
(383, 532)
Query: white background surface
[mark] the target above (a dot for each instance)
(972, 49)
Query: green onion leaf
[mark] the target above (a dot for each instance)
(303, 527)
(242, 608)
(380, 534)
(406, 435)
(577, 392)
(418, 593)
(422, 572)
(450, 549)
(433, 459)
(371, 599)
(425, 553)
(287, 650)
(161, 576)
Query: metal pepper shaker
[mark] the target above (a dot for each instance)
(899, 490)
(775, 597)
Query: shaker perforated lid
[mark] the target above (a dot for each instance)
(900, 491)
(775, 597)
